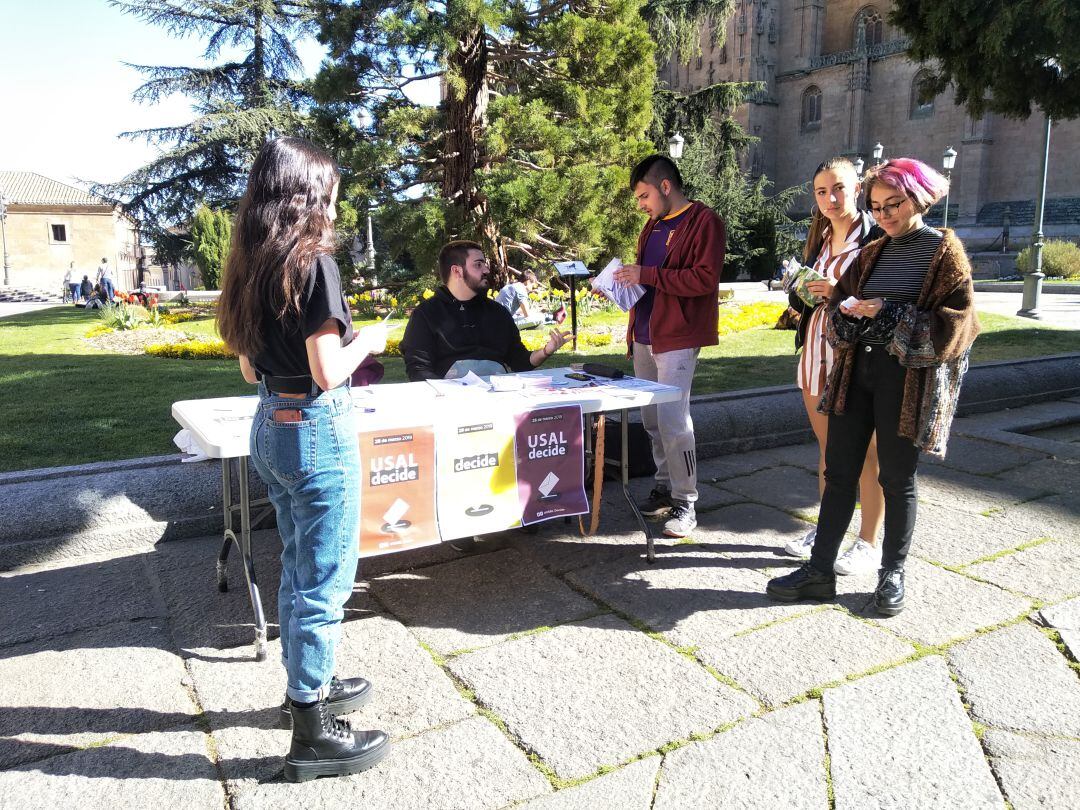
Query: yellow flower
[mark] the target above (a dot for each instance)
(393, 301)
(428, 294)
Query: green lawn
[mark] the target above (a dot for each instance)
(72, 404)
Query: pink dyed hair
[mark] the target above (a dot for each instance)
(910, 177)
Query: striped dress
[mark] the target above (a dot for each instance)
(817, 355)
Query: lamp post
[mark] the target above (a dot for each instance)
(948, 160)
(1029, 307)
(675, 146)
(859, 164)
(3, 232)
(879, 150)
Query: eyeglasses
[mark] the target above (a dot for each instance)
(887, 211)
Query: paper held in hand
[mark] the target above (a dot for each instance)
(622, 297)
(796, 276)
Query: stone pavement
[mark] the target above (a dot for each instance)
(552, 671)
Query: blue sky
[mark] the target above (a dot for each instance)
(65, 93)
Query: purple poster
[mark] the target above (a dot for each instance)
(550, 463)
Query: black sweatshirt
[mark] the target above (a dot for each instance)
(443, 330)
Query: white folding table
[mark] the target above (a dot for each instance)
(221, 427)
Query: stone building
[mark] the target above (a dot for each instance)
(52, 224)
(837, 80)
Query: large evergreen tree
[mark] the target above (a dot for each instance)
(999, 55)
(543, 115)
(238, 105)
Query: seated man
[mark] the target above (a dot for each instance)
(515, 297)
(460, 329)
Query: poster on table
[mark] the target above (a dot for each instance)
(397, 497)
(550, 464)
(477, 482)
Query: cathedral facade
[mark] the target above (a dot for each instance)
(837, 80)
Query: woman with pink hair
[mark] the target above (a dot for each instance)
(901, 324)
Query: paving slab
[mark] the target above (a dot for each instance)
(1062, 616)
(792, 489)
(734, 465)
(241, 697)
(88, 687)
(479, 600)
(628, 788)
(1057, 517)
(976, 494)
(597, 693)
(750, 532)
(803, 455)
(901, 739)
(998, 671)
(59, 598)
(692, 597)
(952, 537)
(942, 606)
(1059, 475)
(166, 769)
(777, 760)
(466, 766)
(784, 660)
(1047, 571)
(1035, 772)
(983, 457)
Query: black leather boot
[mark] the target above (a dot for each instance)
(805, 582)
(889, 596)
(345, 696)
(324, 745)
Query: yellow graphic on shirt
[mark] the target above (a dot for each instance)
(678, 213)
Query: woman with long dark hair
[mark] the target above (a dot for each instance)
(282, 310)
(838, 230)
(901, 322)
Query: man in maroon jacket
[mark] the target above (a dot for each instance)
(680, 253)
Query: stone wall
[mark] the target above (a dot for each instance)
(92, 232)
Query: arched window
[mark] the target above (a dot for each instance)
(920, 109)
(811, 108)
(870, 20)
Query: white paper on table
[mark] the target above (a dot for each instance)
(637, 384)
(187, 444)
(624, 297)
(470, 382)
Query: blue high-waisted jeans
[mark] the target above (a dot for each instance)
(312, 471)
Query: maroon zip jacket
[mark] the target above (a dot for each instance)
(685, 309)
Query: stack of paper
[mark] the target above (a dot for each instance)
(624, 297)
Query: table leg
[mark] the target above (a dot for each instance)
(249, 563)
(229, 536)
(624, 430)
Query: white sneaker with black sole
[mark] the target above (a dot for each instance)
(801, 546)
(681, 519)
(858, 559)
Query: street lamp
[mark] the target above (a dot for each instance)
(3, 231)
(879, 150)
(1029, 307)
(948, 160)
(675, 146)
(859, 164)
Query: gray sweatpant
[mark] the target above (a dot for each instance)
(669, 426)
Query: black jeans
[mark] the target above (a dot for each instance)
(873, 403)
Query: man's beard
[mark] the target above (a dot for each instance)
(478, 286)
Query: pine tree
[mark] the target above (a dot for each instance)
(238, 104)
(211, 233)
(999, 56)
(544, 112)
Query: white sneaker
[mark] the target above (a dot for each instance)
(858, 559)
(801, 546)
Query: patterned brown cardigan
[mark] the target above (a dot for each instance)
(945, 311)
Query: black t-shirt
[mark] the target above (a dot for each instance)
(284, 353)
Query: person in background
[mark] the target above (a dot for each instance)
(901, 321)
(105, 279)
(86, 289)
(283, 312)
(680, 254)
(460, 329)
(71, 285)
(838, 231)
(515, 297)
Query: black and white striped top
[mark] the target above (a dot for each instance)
(901, 267)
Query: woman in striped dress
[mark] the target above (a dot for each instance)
(838, 231)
